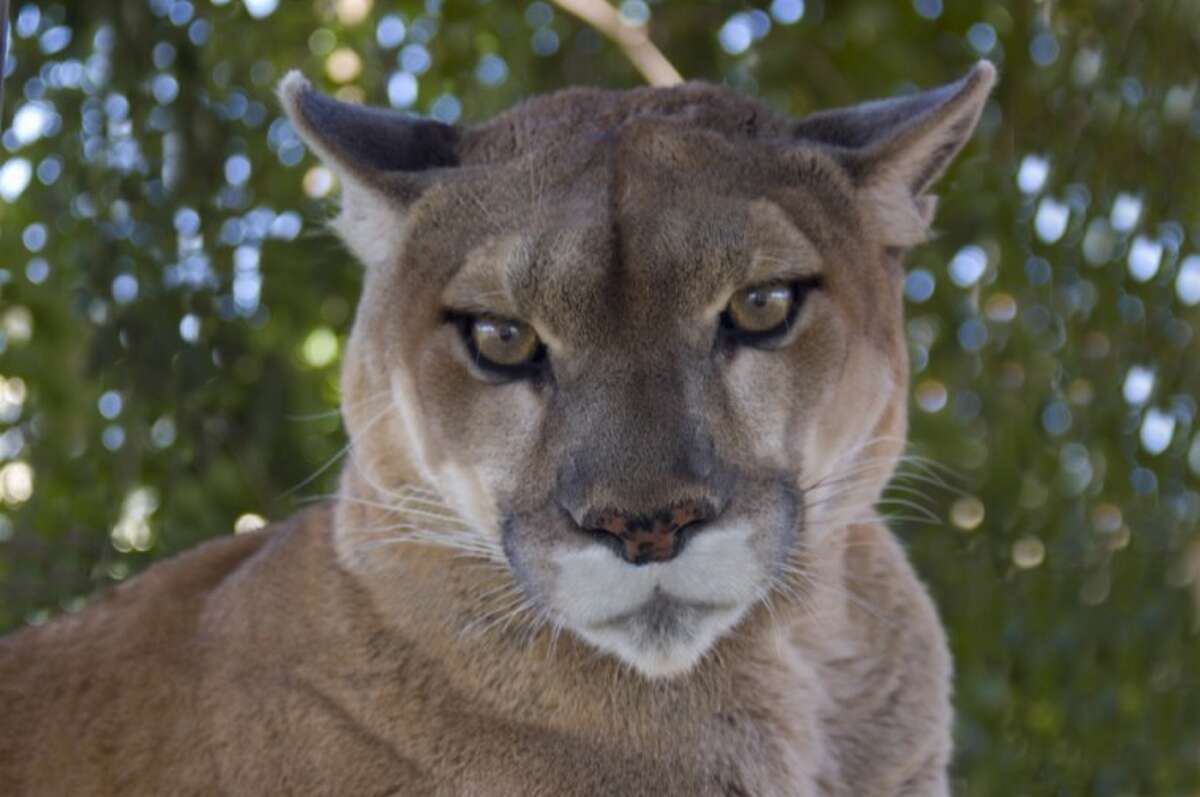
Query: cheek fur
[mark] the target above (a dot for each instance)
(485, 437)
(411, 423)
(778, 395)
(754, 388)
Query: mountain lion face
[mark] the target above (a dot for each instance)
(647, 344)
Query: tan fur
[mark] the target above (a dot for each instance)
(444, 628)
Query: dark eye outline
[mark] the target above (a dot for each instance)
(490, 369)
(731, 334)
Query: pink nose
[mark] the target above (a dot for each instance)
(651, 538)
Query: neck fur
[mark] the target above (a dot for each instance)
(458, 604)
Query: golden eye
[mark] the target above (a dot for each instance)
(503, 342)
(761, 308)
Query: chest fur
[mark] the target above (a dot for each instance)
(387, 731)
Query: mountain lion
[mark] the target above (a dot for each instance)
(627, 379)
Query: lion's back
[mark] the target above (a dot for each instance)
(94, 700)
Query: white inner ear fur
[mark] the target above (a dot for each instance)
(369, 224)
(907, 165)
(371, 227)
(901, 218)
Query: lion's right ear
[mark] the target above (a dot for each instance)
(895, 149)
(384, 159)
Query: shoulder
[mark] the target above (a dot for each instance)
(157, 605)
(106, 680)
(891, 680)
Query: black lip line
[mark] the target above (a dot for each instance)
(659, 594)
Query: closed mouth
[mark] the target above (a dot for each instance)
(660, 610)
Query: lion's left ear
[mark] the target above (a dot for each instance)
(384, 159)
(377, 147)
(895, 149)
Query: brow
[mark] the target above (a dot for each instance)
(482, 285)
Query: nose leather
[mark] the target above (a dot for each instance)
(650, 538)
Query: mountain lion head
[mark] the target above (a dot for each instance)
(648, 345)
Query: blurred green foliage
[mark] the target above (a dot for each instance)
(171, 311)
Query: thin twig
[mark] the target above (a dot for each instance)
(3, 53)
(632, 39)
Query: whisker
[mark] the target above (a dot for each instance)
(341, 452)
(330, 413)
(440, 541)
(841, 592)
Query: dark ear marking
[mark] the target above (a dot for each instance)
(363, 142)
(911, 139)
(893, 150)
(384, 160)
(861, 125)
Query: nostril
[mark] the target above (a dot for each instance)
(689, 513)
(655, 537)
(690, 527)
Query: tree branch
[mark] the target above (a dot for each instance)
(3, 52)
(632, 39)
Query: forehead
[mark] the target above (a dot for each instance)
(616, 227)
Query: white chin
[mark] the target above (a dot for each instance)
(662, 643)
(660, 618)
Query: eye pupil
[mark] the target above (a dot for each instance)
(760, 314)
(760, 309)
(500, 345)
